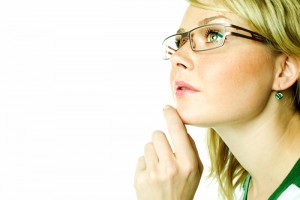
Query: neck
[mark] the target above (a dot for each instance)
(267, 146)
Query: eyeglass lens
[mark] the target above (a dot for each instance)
(202, 38)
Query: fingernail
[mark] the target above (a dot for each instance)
(167, 107)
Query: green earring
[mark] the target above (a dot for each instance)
(278, 95)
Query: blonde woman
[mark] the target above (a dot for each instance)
(235, 69)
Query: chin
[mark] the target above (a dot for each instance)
(192, 117)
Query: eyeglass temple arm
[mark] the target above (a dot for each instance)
(252, 37)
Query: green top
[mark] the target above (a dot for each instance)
(288, 189)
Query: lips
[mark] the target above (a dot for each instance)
(183, 89)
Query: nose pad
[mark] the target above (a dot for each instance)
(184, 40)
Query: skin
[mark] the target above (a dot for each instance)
(164, 175)
(230, 79)
(236, 84)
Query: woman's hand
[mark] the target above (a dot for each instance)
(164, 175)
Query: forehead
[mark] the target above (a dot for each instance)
(195, 16)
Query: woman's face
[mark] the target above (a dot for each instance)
(233, 83)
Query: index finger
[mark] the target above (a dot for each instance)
(178, 133)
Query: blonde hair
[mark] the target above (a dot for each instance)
(279, 21)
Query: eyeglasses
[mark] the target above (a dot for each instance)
(207, 37)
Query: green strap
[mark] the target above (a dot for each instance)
(292, 178)
(246, 186)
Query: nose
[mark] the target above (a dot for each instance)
(181, 59)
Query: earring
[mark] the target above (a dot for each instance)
(278, 95)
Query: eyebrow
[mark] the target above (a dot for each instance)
(205, 21)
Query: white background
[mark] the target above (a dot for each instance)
(82, 88)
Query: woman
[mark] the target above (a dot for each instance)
(235, 69)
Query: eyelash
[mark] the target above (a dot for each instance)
(207, 33)
(210, 31)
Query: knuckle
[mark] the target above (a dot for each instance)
(154, 175)
(172, 172)
(141, 159)
(139, 181)
(169, 174)
(148, 146)
(156, 135)
(190, 167)
(163, 176)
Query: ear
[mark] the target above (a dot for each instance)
(287, 72)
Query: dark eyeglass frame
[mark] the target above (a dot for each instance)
(254, 36)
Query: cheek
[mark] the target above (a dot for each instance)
(233, 89)
(172, 77)
(241, 73)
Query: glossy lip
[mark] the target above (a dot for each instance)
(182, 88)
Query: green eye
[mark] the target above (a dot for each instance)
(213, 36)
